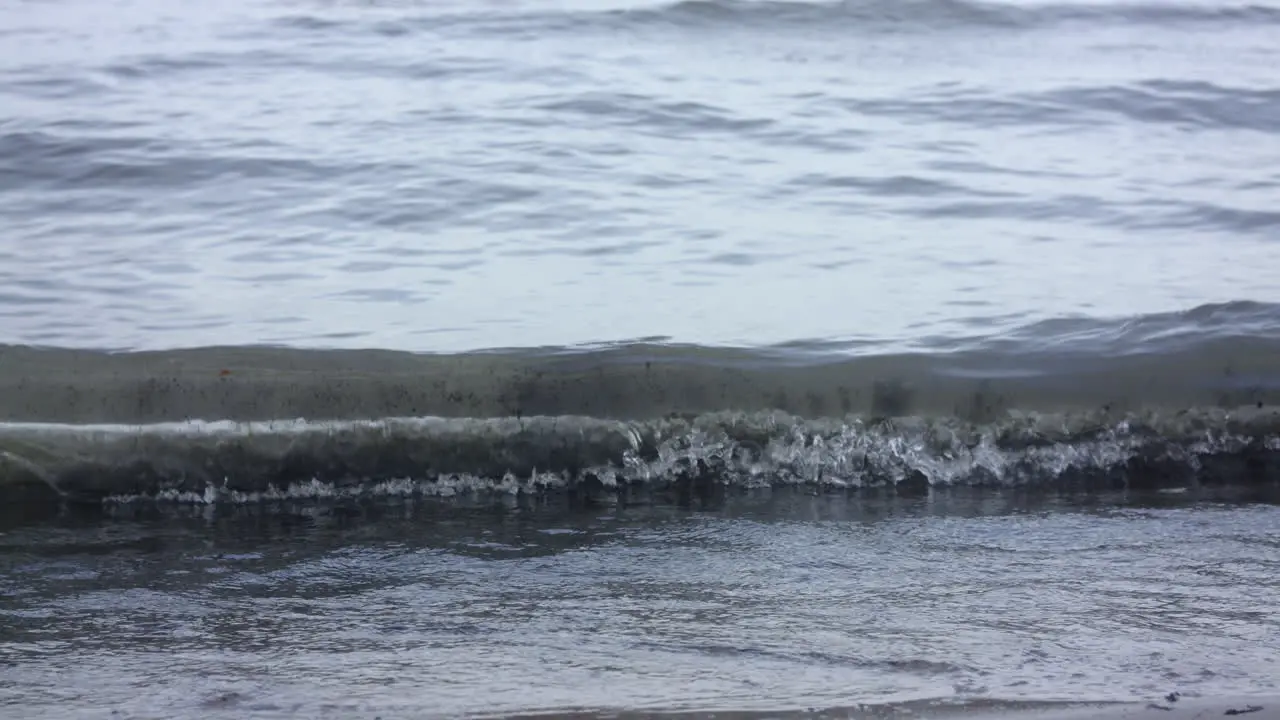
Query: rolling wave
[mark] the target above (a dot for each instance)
(702, 455)
(1159, 401)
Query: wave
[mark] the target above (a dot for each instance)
(1157, 401)
(782, 15)
(935, 14)
(77, 157)
(704, 454)
(879, 15)
(1190, 105)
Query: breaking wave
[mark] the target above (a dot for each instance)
(1162, 401)
(705, 454)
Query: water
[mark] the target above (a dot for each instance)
(407, 359)
(777, 602)
(447, 176)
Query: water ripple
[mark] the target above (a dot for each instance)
(710, 171)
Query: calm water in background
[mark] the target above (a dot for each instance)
(1080, 194)
(439, 176)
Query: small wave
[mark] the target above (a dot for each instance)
(880, 13)
(1194, 106)
(308, 23)
(1153, 215)
(1185, 104)
(251, 462)
(940, 14)
(1159, 400)
(781, 15)
(81, 159)
(669, 118)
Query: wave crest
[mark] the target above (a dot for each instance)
(247, 462)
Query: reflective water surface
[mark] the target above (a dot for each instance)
(448, 175)
(770, 601)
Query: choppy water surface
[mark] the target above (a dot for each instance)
(441, 176)
(761, 603)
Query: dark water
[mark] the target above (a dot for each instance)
(913, 357)
(778, 601)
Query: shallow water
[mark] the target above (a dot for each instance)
(766, 602)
